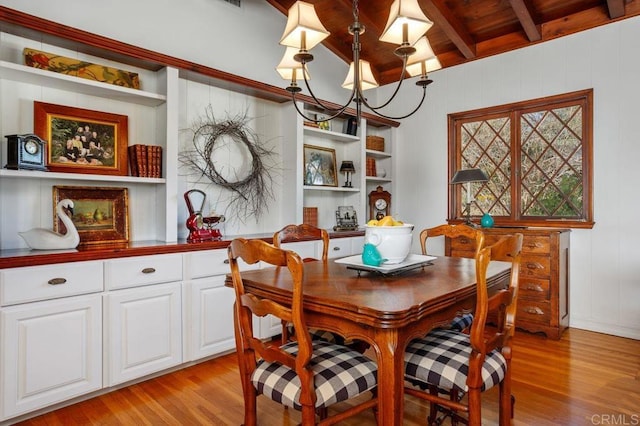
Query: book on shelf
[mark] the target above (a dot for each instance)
(145, 160)
(371, 166)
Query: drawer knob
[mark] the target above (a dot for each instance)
(336, 249)
(534, 265)
(148, 270)
(534, 310)
(534, 287)
(57, 281)
(534, 245)
(226, 261)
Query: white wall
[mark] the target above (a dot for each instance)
(605, 288)
(605, 271)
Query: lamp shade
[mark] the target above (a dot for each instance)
(424, 60)
(304, 29)
(469, 175)
(367, 80)
(405, 12)
(288, 65)
(347, 166)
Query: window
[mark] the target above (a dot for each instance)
(537, 155)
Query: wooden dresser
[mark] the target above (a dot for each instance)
(543, 298)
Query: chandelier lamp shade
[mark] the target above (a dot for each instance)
(406, 27)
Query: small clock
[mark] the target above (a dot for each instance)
(26, 152)
(379, 203)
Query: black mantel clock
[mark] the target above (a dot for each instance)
(379, 203)
(26, 152)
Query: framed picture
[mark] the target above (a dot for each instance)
(82, 140)
(319, 166)
(101, 215)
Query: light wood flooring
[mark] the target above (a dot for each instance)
(585, 378)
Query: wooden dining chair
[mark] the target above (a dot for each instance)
(447, 361)
(463, 321)
(304, 232)
(307, 375)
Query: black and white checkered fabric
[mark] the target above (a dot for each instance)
(340, 374)
(442, 359)
(462, 322)
(317, 334)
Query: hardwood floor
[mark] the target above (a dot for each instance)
(585, 378)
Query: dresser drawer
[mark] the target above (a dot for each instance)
(535, 266)
(533, 311)
(536, 244)
(209, 263)
(142, 270)
(29, 284)
(533, 288)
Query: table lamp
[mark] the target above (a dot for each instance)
(347, 168)
(467, 176)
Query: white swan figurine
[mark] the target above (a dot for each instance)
(46, 239)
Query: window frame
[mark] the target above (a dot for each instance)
(513, 111)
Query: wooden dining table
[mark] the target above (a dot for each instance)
(387, 311)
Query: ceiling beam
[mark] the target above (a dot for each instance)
(525, 16)
(440, 14)
(616, 8)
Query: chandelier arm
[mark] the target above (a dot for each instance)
(424, 95)
(395, 92)
(315, 120)
(333, 110)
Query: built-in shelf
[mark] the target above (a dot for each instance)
(24, 74)
(34, 174)
(378, 179)
(328, 134)
(330, 188)
(377, 154)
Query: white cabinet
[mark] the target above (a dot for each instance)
(208, 304)
(51, 352)
(143, 323)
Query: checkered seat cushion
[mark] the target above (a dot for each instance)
(462, 322)
(318, 334)
(340, 374)
(442, 359)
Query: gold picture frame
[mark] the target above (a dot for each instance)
(100, 215)
(319, 166)
(99, 148)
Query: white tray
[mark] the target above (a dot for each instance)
(412, 261)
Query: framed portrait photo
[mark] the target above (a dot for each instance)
(100, 215)
(319, 166)
(81, 140)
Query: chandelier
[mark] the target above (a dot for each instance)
(406, 26)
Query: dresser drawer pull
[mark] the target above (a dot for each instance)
(463, 240)
(534, 287)
(148, 270)
(336, 249)
(226, 261)
(534, 245)
(57, 281)
(534, 265)
(534, 310)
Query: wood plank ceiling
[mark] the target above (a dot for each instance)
(463, 30)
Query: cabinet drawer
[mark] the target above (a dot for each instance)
(536, 244)
(208, 263)
(533, 311)
(533, 288)
(535, 266)
(142, 270)
(339, 247)
(29, 284)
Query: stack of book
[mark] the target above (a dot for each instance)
(145, 160)
(371, 166)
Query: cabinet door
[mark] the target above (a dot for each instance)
(143, 331)
(209, 317)
(51, 351)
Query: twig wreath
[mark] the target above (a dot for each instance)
(250, 190)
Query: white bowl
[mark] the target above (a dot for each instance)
(393, 242)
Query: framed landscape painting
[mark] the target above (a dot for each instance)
(81, 140)
(100, 215)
